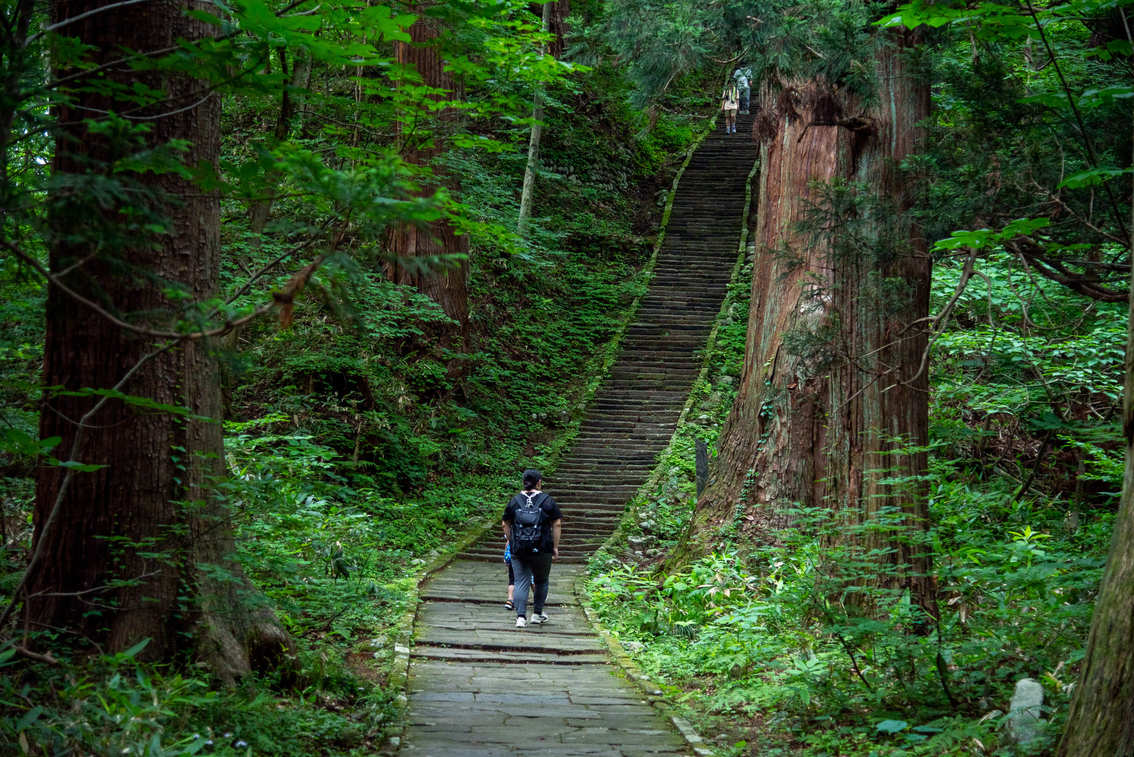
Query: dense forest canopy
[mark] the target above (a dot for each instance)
(293, 291)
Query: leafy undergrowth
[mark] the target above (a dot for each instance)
(793, 648)
(776, 635)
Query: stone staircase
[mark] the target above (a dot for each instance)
(634, 413)
(479, 686)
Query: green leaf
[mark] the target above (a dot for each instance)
(75, 465)
(927, 729)
(1094, 177)
(379, 18)
(971, 239)
(1093, 98)
(15, 441)
(891, 726)
(29, 717)
(132, 651)
(1023, 226)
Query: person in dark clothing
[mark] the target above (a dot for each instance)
(532, 564)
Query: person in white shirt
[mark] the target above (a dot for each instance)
(730, 103)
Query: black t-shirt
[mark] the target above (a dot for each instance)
(551, 514)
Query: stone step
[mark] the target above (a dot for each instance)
(597, 501)
(421, 652)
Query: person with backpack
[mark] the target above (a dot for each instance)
(532, 525)
(743, 77)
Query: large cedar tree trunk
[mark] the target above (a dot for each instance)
(413, 245)
(832, 387)
(139, 548)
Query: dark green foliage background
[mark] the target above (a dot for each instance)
(366, 436)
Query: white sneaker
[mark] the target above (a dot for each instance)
(521, 622)
(539, 619)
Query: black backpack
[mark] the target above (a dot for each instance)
(527, 525)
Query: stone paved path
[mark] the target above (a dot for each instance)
(478, 685)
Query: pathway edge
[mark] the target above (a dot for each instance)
(653, 691)
(403, 632)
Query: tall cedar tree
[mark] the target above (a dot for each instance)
(415, 248)
(834, 386)
(141, 547)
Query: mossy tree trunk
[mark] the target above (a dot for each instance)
(878, 406)
(141, 547)
(832, 408)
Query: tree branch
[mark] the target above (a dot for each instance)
(1086, 137)
(282, 297)
(1088, 286)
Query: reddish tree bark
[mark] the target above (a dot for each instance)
(415, 248)
(832, 392)
(878, 407)
(137, 548)
(557, 24)
(768, 447)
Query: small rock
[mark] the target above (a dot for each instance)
(1024, 721)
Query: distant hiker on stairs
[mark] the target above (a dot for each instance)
(532, 525)
(743, 79)
(730, 103)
